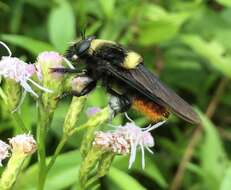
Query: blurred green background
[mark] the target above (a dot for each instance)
(187, 43)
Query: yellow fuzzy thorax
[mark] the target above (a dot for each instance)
(131, 60)
(97, 42)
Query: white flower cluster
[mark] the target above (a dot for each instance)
(112, 141)
(24, 143)
(19, 71)
(126, 139)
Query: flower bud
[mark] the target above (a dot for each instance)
(72, 115)
(89, 162)
(45, 62)
(105, 164)
(92, 125)
(13, 93)
(52, 80)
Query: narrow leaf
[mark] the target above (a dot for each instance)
(123, 180)
(212, 51)
(30, 44)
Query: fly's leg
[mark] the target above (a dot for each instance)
(87, 89)
(65, 70)
(118, 103)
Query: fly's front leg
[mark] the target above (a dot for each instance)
(81, 86)
(65, 70)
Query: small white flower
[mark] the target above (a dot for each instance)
(126, 139)
(4, 151)
(19, 71)
(24, 143)
(138, 138)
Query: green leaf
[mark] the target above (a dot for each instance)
(226, 3)
(39, 4)
(151, 170)
(226, 182)
(206, 179)
(160, 27)
(107, 7)
(61, 25)
(153, 12)
(213, 157)
(63, 174)
(123, 180)
(212, 51)
(16, 18)
(30, 44)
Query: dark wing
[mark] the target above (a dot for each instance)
(150, 86)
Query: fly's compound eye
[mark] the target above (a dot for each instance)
(83, 47)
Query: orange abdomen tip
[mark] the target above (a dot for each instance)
(150, 109)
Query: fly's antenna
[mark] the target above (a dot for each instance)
(82, 32)
(7, 48)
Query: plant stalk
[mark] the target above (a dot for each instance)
(43, 122)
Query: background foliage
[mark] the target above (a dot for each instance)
(187, 43)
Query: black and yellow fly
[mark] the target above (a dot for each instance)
(124, 75)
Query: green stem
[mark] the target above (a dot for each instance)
(43, 121)
(10, 174)
(19, 122)
(57, 151)
(71, 118)
(96, 120)
(102, 169)
(61, 145)
(3, 96)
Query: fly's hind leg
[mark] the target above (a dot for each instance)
(119, 103)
